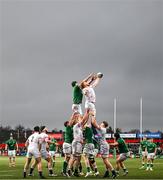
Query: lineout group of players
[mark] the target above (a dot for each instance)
(83, 138)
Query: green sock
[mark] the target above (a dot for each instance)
(65, 164)
(76, 171)
(151, 165)
(88, 169)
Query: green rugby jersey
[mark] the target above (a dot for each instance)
(122, 146)
(143, 145)
(52, 147)
(68, 134)
(77, 95)
(88, 135)
(96, 145)
(11, 144)
(151, 147)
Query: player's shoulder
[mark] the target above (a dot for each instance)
(120, 140)
(103, 130)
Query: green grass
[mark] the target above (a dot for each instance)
(132, 165)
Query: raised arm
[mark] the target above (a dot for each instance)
(88, 79)
(95, 82)
(94, 122)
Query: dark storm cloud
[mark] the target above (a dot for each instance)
(46, 45)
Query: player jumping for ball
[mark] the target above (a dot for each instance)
(90, 96)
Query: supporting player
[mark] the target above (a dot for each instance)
(12, 147)
(143, 146)
(124, 153)
(33, 149)
(44, 139)
(77, 146)
(53, 147)
(67, 146)
(151, 151)
(88, 152)
(76, 116)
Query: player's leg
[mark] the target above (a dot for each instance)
(77, 151)
(67, 150)
(148, 162)
(49, 161)
(10, 161)
(152, 159)
(117, 166)
(70, 165)
(86, 160)
(65, 164)
(76, 164)
(34, 164)
(93, 164)
(108, 167)
(81, 169)
(26, 166)
(53, 159)
(104, 151)
(144, 157)
(10, 158)
(39, 167)
(13, 158)
(121, 160)
(143, 162)
(87, 164)
(72, 158)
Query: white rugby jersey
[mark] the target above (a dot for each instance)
(89, 93)
(33, 140)
(43, 141)
(78, 132)
(100, 136)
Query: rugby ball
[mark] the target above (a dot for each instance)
(99, 75)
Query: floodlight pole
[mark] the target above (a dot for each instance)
(115, 121)
(115, 115)
(141, 118)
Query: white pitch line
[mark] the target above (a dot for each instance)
(8, 171)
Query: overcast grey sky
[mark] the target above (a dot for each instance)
(47, 44)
